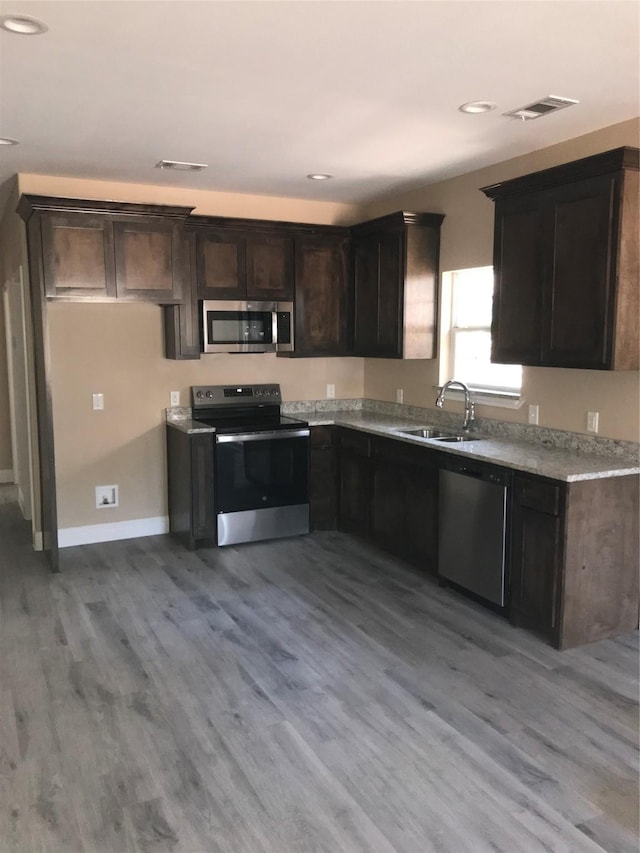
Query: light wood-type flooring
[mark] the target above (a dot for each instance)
(307, 695)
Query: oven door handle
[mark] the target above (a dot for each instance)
(262, 436)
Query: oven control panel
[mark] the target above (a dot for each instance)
(233, 395)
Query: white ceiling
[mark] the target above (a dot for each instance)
(266, 92)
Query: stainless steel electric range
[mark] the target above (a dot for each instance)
(261, 462)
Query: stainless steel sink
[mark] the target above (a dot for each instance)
(455, 437)
(436, 434)
(424, 432)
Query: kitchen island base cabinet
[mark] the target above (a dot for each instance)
(574, 561)
(192, 515)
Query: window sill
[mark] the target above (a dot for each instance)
(485, 397)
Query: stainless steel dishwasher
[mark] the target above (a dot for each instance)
(473, 527)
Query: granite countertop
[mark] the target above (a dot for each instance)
(556, 463)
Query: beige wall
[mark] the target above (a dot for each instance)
(564, 396)
(116, 350)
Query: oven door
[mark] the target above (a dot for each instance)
(262, 485)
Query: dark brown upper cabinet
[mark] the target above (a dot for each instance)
(566, 265)
(242, 259)
(105, 251)
(321, 291)
(395, 280)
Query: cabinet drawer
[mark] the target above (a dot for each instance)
(537, 494)
(353, 441)
(321, 437)
(396, 452)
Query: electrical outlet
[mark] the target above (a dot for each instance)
(534, 412)
(97, 402)
(175, 398)
(592, 421)
(106, 496)
(399, 395)
(331, 392)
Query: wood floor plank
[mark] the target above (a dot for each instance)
(310, 695)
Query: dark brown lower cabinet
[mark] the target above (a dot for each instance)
(323, 490)
(404, 501)
(536, 554)
(354, 481)
(388, 493)
(191, 486)
(574, 558)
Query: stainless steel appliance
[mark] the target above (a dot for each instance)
(235, 326)
(473, 528)
(261, 462)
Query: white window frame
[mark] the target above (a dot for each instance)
(493, 396)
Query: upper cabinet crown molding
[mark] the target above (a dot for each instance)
(566, 265)
(588, 167)
(30, 204)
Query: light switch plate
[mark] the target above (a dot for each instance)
(331, 392)
(98, 402)
(175, 398)
(534, 412)
(592, 421)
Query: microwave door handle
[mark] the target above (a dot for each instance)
(262, 436)
(274, 327)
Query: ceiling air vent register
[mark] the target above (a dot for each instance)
(550, 104)
(179, 166)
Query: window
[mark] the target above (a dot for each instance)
(466, 349)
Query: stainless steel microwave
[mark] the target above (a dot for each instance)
(235, 326)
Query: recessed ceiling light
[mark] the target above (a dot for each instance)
(23, 25)
(474, 107)
(179, 166)
(319, 177)
(4, 140)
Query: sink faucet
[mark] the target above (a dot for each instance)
(469, 408)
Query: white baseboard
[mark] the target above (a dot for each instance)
(6, 475)
(90, 533)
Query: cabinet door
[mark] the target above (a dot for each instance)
(354, 482)
(536, 556)
(221, 259)
(323, 497)
(269, 267)
(203, 513)
(421, 517)
(378, 272)
(516, 329)
(580, 309)
(390, 294)
(366, 267)
(148, 260)
(77, 256)
(321, 296)
(404, 485)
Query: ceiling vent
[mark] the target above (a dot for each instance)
(177, 166)
(550, 104)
